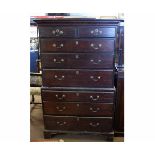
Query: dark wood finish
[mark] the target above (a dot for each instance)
(66, 31)
(69, 61)
(119, 110)
(78, 22)
(57, 31)
(76, 45)
(119, 134)
(108, 136)
(60, 123)
(80, 96)
(49, 134)
(77, 57)
(79, 109)
(90, 124)
(96, 124)
(97, 31)
(77, 78)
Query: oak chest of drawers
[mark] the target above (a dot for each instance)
(77, 58)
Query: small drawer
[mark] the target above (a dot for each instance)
(77, 96)
(77, 60)
(77, 45)
(60, 123)
(97, 32)
(95, 124)
(78, 109)
(77, 78)
(71, 123)
(58, 32)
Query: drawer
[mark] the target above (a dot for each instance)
(57, 32)
(77, 45)
(60, 123)
(77, 60)
(93, 124)
(77, 78)
(80, 109)
(77, 96)
(87, 124)
(97, 31)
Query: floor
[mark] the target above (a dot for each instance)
(36, 130)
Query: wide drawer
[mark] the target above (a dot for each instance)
(82, 31)
(77, 45)
(78, 109)
(97, 31)
(77, 78)
(77, 60)
(57, 31)
(87, 124)
(77, 96)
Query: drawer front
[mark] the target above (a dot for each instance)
(77, 45)
(66, 96)
(57, 32)
(80, 109)
(97, 32)
(60, 123)
(83, 61)
(88, 124)
(92, 124)
(77, 78)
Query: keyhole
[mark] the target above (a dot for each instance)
(77, 72)
(76, 42)
(77, 56)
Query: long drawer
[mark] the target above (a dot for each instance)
(77, 60)
(88, 124)
(82, 31)
(77, 78)
(77, 96)
(76, 45)
(79, 109)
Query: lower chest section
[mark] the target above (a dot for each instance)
(78, 110)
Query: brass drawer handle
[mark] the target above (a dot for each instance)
(61, 123)
(60, 98)
(94, 99)
(60, 46)
(96, 47)
(60, 108)
(96, 32)
(94, 110)
(95, 62)
(94, 124)
(59, 78)
(57, 32)
(95, 78)
(58, 62)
